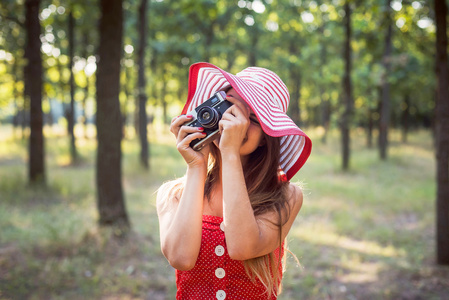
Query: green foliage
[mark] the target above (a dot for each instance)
(293, 38)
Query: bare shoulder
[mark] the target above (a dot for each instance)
(168, 194)
(295, 197)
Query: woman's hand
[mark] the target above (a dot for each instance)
(233, 126)
(186, 134)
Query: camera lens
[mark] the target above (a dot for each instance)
(208, 117)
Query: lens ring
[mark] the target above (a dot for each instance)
(208, 117)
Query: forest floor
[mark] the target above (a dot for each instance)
(368, 233)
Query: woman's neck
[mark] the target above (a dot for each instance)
(213, 205)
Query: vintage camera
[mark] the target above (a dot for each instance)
(207, 115)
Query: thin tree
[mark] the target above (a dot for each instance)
(111, 204)
(348, 101)
(324, 99)
(141, 84)
(85, 54)
(296, 82)
(442, 134)
(384, 121)
(405, 118)
(324, 106)
(71, 110)
(254, 36)
(163, 95)
(33, 91)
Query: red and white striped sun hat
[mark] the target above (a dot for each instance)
(267, 96)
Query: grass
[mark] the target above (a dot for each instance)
(363, 234)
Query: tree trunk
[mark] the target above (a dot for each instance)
(71, 112)
(324, 107)
(347, 91)
(294, 108)
(163, 94)
(143, 120)
(384, 122)
(209, 37)
(51, 119)
(25, 115)
(33, 90)
(62, 85)
(111, 204)
(231, 55)
(295, 77)
(252, 59)
(15, 92)
(86, 87)
(84, 104)
(405, 118)
(128, 95)
(442, 133)
(209, 34)
(370, 127)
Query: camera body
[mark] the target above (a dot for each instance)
(207, 115)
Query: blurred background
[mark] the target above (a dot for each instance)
(88, 90)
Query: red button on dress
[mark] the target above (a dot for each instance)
(216, 275)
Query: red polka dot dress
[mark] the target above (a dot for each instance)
(216, 276)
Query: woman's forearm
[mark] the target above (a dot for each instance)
(182, 240)
(241, 228)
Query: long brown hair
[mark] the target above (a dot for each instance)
(267, 192)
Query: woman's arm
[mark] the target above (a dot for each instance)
(180, 222)
(180, 216)
(248, 236)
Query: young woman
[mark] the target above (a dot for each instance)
(223, 225)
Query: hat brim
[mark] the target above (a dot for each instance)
(206, 79)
